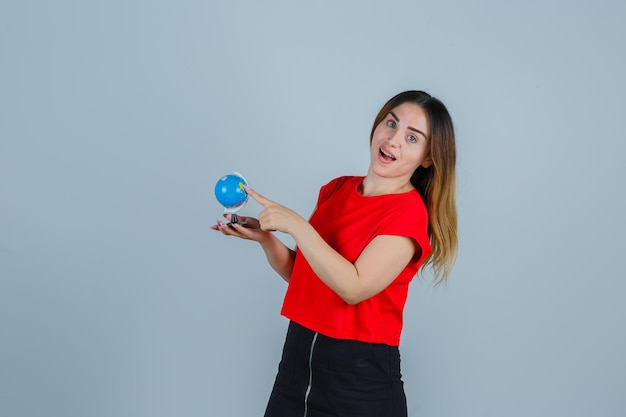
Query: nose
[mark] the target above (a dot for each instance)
(395, 139)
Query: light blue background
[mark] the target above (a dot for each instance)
(118, 117)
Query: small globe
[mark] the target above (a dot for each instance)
(229, 191)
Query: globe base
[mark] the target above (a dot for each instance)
(235, 220)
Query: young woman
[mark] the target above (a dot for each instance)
(354, 259)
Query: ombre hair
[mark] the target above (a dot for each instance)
(437, 183)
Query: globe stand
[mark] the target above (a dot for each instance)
(234, 219)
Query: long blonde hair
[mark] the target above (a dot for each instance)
(437, 183)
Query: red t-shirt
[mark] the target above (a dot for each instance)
(348, 222)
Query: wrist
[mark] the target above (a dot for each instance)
(266, 240)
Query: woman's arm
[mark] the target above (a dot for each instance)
(377, 266)
(278, 255)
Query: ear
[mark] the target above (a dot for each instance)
(427, 162)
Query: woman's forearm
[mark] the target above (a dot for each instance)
(332, 268)
(380, 262)
(279, 256)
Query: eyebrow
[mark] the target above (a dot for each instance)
(409, 127)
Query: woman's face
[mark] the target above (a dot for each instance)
(399, 143)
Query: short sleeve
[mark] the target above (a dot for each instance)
(410, 221)
(327, 190)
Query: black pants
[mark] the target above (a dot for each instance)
(319, 376)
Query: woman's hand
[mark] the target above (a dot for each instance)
(251, 230)
(274, 216)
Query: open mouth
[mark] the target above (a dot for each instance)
(387, 156)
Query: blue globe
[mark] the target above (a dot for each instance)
(229, 191)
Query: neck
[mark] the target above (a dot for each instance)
(378, 186)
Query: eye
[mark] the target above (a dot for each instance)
(391, 123)
(412, 139)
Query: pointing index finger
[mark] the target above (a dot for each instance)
(257, 197)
